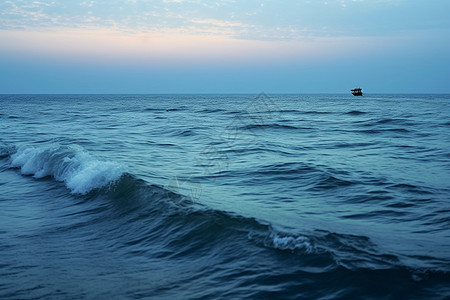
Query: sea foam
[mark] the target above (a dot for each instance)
(289, 242)
(79, 170)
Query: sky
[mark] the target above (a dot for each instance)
(224, 46)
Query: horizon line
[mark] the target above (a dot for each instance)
(228, 93)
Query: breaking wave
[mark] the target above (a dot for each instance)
(80, 171)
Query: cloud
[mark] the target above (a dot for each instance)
(178, 47)
(247, 20)
(219, 23)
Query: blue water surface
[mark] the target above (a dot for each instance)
(224, 196)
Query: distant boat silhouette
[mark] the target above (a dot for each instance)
(357, 92)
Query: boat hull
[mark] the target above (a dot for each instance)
(357, 92)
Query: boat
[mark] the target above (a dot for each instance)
(357, 92)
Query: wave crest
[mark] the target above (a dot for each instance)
(289, 242)
(283, 241)
(72, 165)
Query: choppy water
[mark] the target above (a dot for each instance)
(225, 196)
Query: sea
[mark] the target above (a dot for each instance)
(263, 196)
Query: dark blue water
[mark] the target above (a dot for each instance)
(225, 196)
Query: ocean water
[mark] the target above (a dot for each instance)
(225, 196)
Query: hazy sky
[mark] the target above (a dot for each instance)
(224, 46)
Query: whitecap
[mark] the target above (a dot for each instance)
(79, 170)
(289, 242)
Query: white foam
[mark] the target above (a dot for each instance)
(72, 165)
(289, 242)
